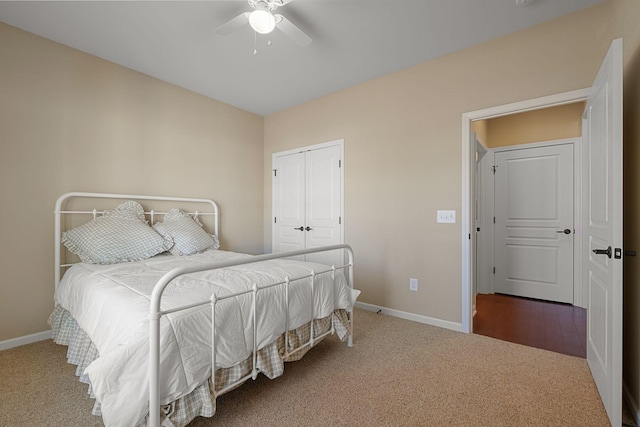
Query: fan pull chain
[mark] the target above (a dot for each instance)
(255, 43)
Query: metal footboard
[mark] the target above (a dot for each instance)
(155, 314)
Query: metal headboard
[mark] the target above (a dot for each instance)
(210, 209)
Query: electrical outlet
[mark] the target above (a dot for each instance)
(448, 217)
(413, 284)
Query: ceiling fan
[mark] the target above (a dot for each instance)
(263, 21)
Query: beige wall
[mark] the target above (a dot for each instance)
(481, 129)
(403, 151)
(72, 122)
(627, 25)
(69, 122)
(546, 124)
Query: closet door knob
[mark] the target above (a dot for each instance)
(308, 228)
(299, 228)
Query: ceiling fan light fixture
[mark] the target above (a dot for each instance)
(262, 21)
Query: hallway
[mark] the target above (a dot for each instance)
(551, 326)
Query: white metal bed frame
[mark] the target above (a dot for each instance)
(155, 312)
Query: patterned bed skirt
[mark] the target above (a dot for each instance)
(200, 402)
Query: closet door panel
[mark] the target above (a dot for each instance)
(322, 199)
(289, 203)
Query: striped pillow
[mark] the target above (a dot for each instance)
(187, 233)
(120, 235)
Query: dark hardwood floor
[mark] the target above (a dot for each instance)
(551, 326)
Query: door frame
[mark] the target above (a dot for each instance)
(488, 210)
(468, 181)
(337, 142)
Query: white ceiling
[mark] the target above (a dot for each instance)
(353, 40)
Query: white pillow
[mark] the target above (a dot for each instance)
(120, 235)
(187, 233)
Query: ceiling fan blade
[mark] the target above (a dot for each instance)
(233, 25)
(293, 32)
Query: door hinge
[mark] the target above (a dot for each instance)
(339, 220)
(339, 163)
(494, 270)
(275, 220)
(494, 219)
(275, 172)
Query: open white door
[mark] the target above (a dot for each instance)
(603, 231)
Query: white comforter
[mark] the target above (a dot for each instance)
(111, 304)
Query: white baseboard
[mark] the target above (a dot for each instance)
(633, 405)
(410, 316)
(27, 339)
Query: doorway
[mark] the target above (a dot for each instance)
(468, 201)
(527, 200)
(601, 226)
(525, 214)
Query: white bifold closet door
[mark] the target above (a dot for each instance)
(307, 202)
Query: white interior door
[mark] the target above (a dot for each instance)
(485, 250)
(534, 222)
(323, 200)
(477, 268)
(289, 202)
(603, 231)
(307, 201)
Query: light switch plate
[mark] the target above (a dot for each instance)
(446, 217)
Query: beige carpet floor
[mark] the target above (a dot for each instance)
(399, 373)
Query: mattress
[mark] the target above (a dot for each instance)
(111, 304)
